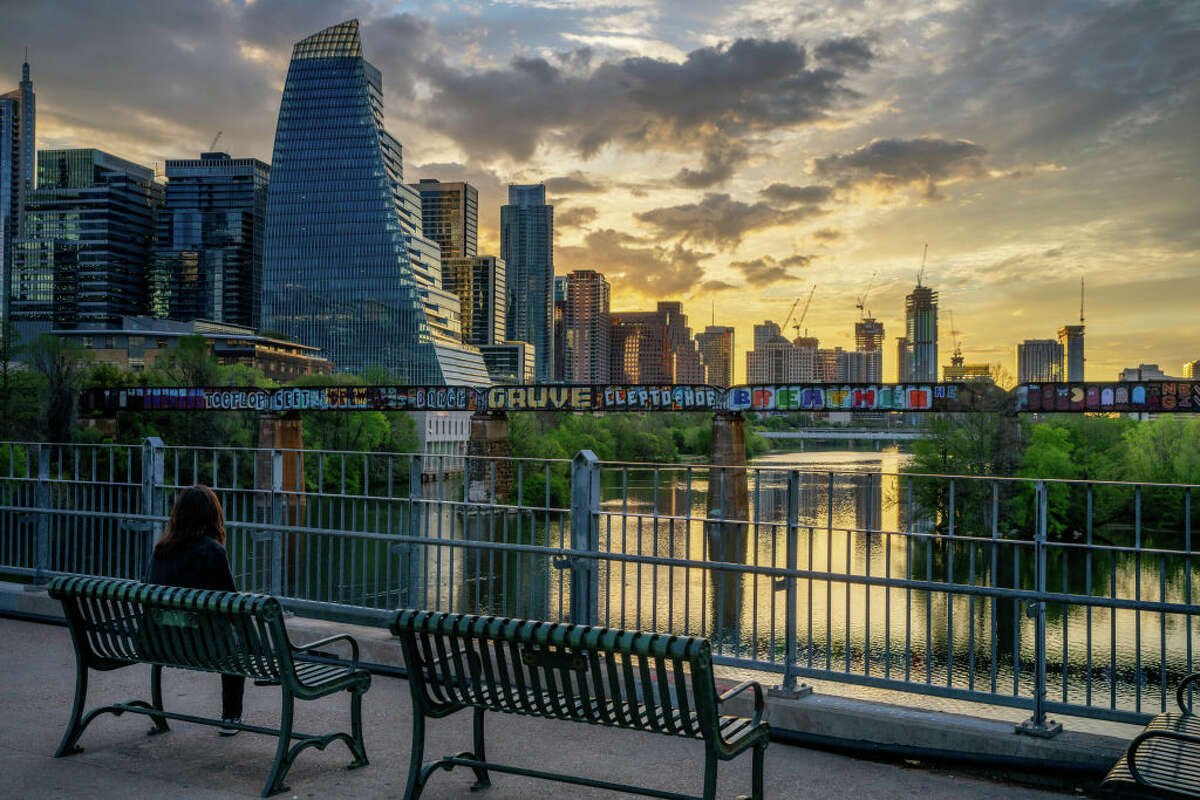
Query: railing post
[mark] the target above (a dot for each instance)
(585, 535)
(153, 467)
(1038, 725)
(275, 565)
(790, 613)
(41, 518)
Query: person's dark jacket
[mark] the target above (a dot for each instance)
(205, 566)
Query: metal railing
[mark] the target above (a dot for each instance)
(1053, 596)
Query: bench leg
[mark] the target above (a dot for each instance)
(710, 774)
(282, 761)
(760, 750)
(160, 723)
(417, 760)
(357, 748)
(74, 727)
(482, 781)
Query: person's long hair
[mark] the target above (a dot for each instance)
(197, 514)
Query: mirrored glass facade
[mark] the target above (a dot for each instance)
(210, 241)
(336, 267)
(18, 125)
(527, 247)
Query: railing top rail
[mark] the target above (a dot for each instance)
(808, 468)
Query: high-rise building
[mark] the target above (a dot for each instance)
(346, 267)
(208, 264)
(527, 247)
(859, 366)
(868, 335)
(1191, 370)
(560, 328)
(450, 216)
(480, 283)
(586, 327)
(85, 252)
(18, 171)
(774, 359)
(957, 371)
(1070, 338)
(716, 352)
(1039, 360)
(918, 353)
(509, 362)
(654, 347)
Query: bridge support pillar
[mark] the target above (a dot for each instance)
(489, 453)
(282, 492)
(728, 512)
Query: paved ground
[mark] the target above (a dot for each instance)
(37, 664)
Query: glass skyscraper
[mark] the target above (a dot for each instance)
(210, 241)
(918, 350)
(87, 244)
(345, 267)
(18, 177)
(527, 247)
(450, 216)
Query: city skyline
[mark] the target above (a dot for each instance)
(889, 129)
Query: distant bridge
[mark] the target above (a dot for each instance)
(847, 434)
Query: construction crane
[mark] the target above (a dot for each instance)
(921, 271)
(804, 313)
(789, 316)
(862, 299)
(957, 344)
(212, 147)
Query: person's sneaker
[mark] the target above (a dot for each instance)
(227, 728)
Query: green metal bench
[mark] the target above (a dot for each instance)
(1164, 759)
(117, 623)
(622, 679)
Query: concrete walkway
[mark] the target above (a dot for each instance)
(119, 761)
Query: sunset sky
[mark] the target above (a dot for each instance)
(734, 154)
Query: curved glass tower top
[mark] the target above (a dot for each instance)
(336, 269)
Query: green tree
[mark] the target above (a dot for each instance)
(62, 364)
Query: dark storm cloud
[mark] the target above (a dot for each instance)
(784, 194)
(633, 263)
(721, 157)
(575, 183)
(574, 217)
(715, 93)
(1050, 73)
(766, 270)
(892, 164)
(847, 53)
(720, 220)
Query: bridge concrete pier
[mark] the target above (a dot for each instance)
(489, 452)
(280, 479)
(728, 499)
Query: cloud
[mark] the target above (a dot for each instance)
(891, 164)
(574, 183)
(721, 156)
(574, 217)
(720, 220)
(847, 53)
(715, 94)
(784, 194)
(827, 234)
(649, 269)
(717, 286)
(765, 270)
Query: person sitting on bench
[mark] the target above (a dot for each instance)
(191, 554)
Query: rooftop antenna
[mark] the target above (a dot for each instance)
(921, 271)
(1080, 299)
(714, 312)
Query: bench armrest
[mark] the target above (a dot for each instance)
(758, 698)
(1131, 754)
(1179, 692)
(313, 647)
